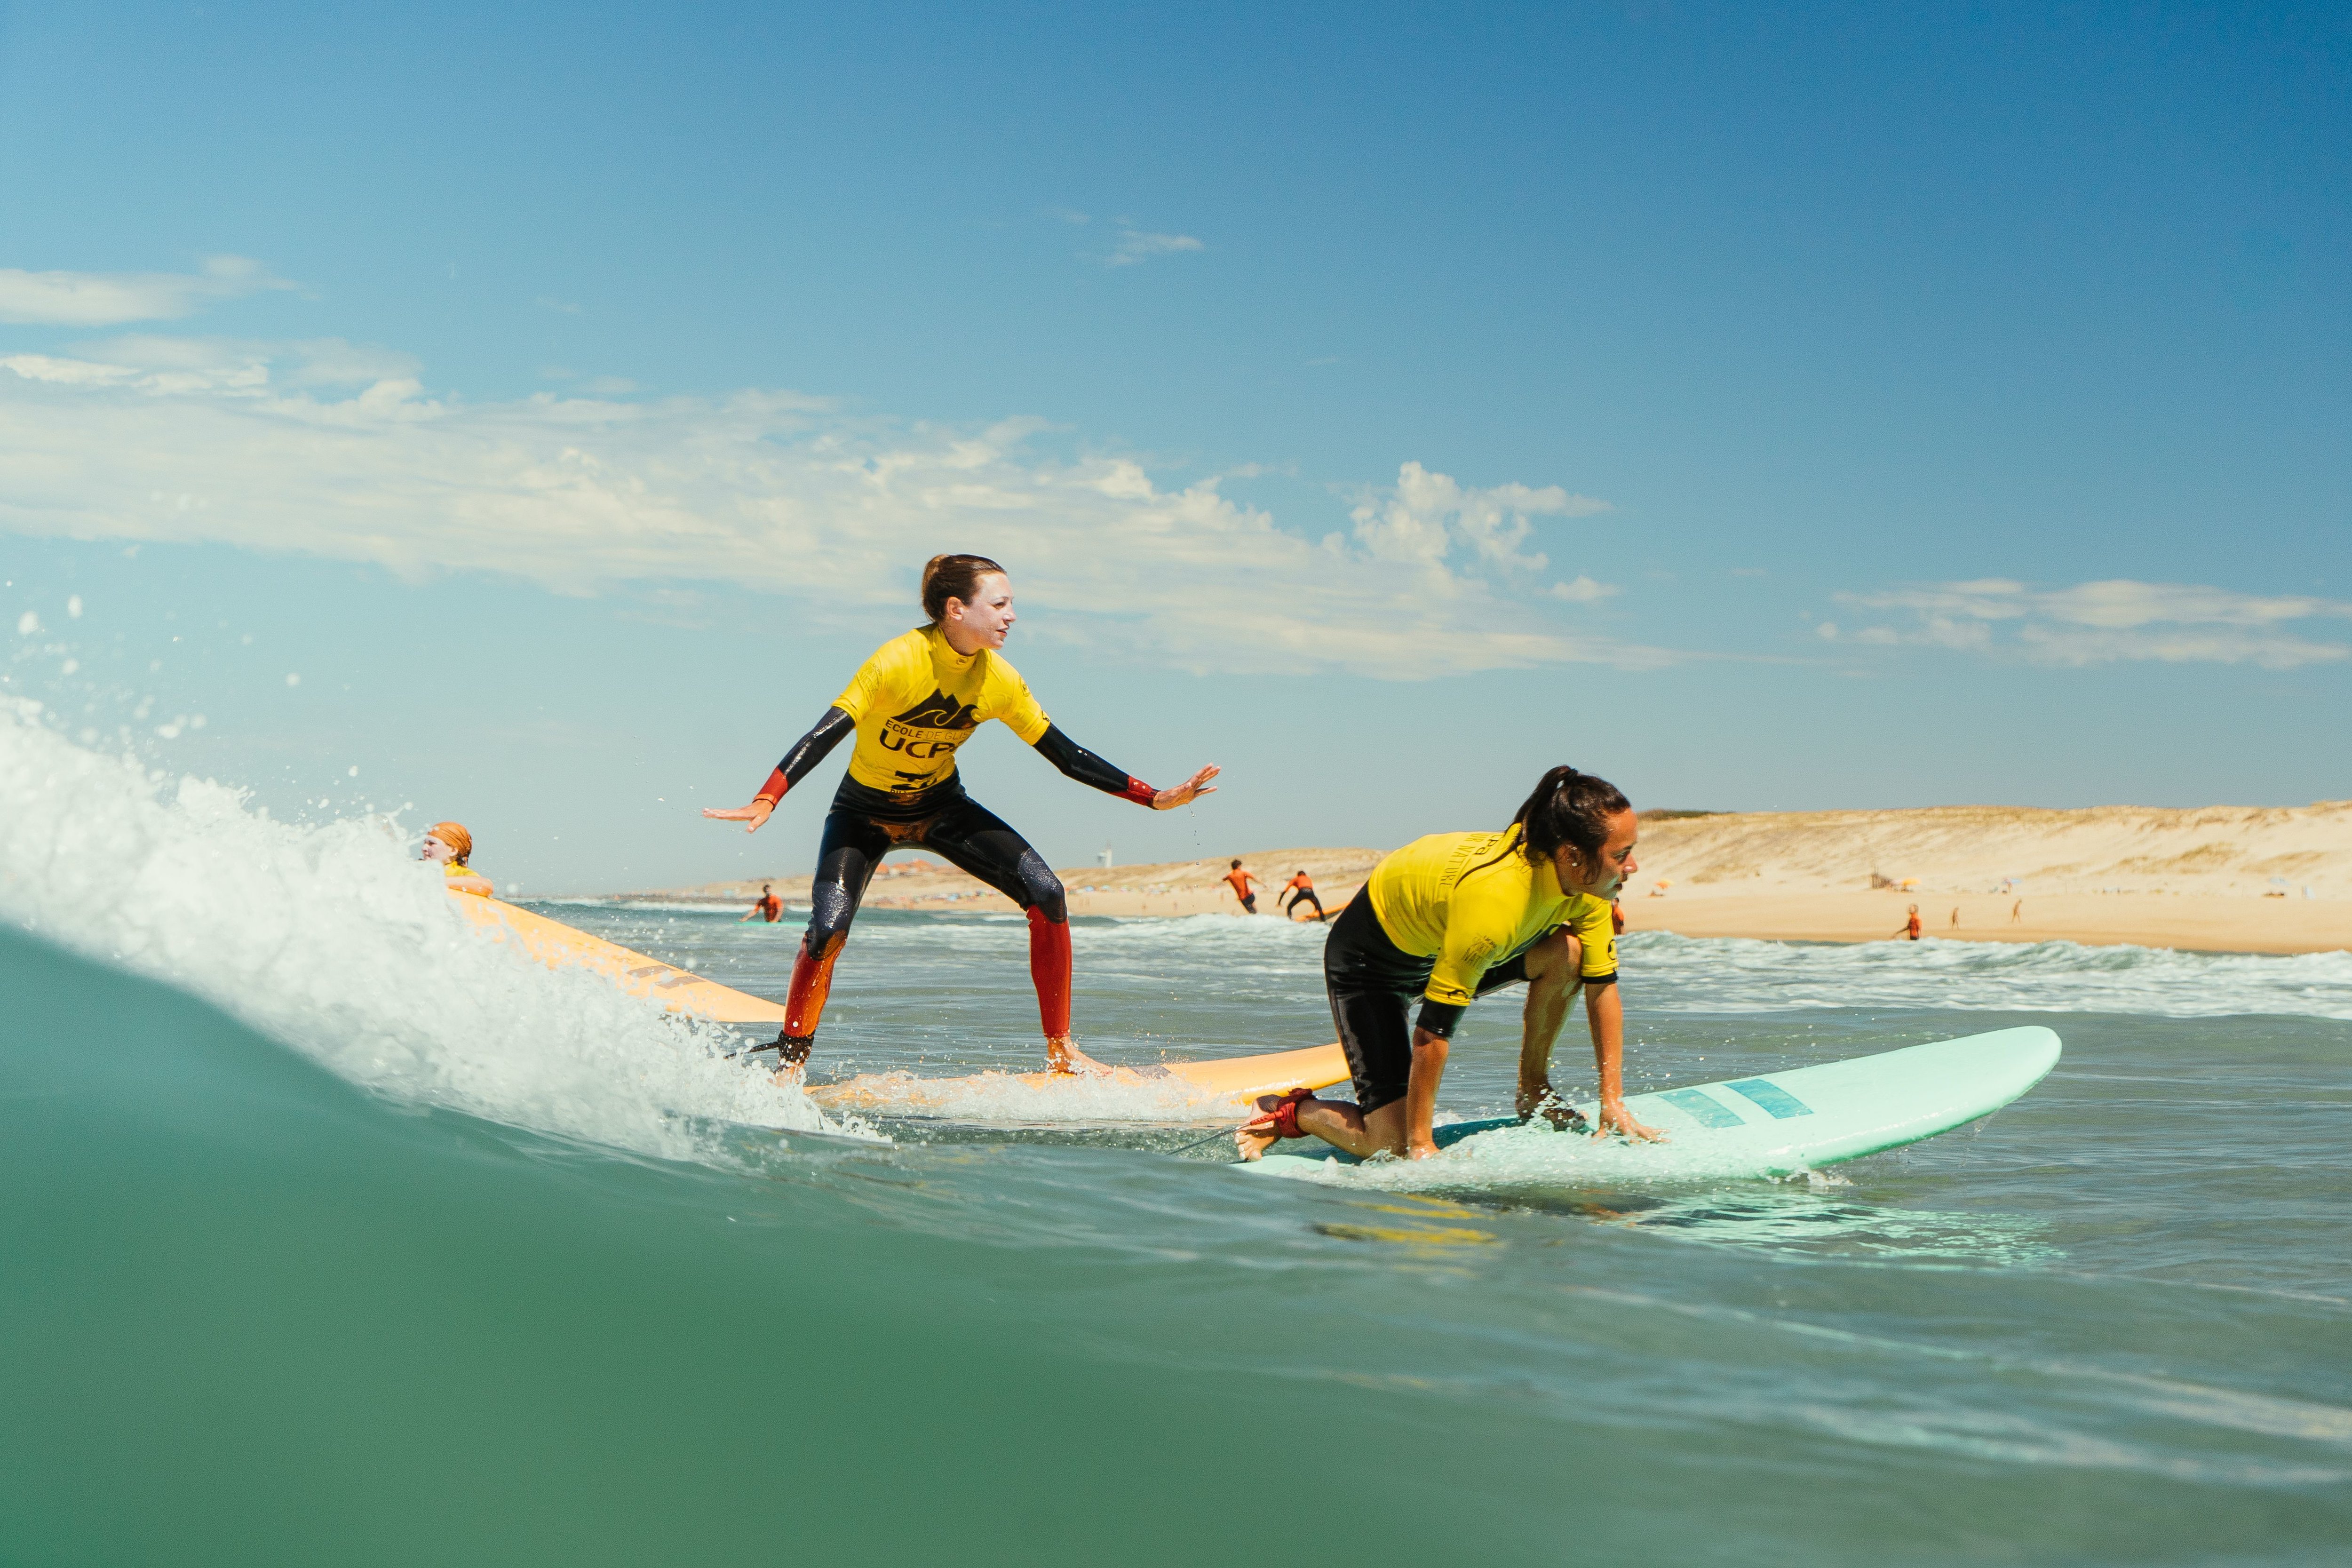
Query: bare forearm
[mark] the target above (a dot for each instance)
(1429, 1053)
(1547, 1011)
(1604, 1010)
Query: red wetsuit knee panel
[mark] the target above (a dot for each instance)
(1049, 967)
(812, 981)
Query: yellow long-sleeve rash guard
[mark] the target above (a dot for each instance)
(1472, 900)
(918, 699)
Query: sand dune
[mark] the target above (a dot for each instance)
(2237, 879)
(2217, 849)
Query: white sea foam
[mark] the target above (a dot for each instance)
(1725, 975)
(1672, 973)
(1002, 1098)
(331, 939)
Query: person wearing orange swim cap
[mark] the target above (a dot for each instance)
(448, 844)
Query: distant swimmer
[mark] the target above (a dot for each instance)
(452, 846)
(1448, 919)
(910, 706)
(1243, 885)
(1910, 932)
(767, 907)
(1301, 891)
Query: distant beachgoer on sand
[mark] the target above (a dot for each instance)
(768, 907)
(1616, 918)
(450, 846)
(1302, 891)
(1242, 882)
(1956, 917)
(2017, 911)
(1910, 932)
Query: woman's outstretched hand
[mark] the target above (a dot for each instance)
(755, 813)
(1185, 793)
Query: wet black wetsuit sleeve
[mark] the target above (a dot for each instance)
(1077, 763)
(1439, 1018)
(807, 752)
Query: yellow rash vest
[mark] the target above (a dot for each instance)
(1472, 900)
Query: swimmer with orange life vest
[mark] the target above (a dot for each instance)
(1244, 888)
(909, 707)
(449, 846)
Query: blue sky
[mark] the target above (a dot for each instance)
(1845, 406)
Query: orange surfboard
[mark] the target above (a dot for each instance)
(559, 946)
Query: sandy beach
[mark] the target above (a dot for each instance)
(2212, 879)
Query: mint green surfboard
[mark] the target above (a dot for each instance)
(1777, 1122)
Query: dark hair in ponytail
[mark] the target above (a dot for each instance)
(948, 577)
(1568, 808)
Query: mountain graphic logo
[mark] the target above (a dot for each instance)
(938, 712)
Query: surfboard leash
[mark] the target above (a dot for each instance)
(1197, 1142)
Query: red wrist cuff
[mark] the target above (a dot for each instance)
(1138, 792)
(774, 790)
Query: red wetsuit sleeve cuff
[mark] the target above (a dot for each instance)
(1138, 792)
(774, 790)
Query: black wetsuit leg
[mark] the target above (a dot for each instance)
(975, 840)
(1372, 984)
(853, 844)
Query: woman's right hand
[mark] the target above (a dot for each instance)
(758, 812)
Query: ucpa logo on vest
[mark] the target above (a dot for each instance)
(932, 727)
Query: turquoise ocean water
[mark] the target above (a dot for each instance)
(334, 1233)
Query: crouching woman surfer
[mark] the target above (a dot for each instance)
(1447, 918)
(910, 706)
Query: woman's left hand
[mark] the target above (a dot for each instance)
(1615, 1118)
(1185, 793)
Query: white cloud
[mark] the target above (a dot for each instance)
(109, 299)
(1583, 591)
(1427, 517)
(1135, 246)
(161, 365)
(2106, 622)
(209, 440)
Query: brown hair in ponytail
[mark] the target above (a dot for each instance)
(948, 577)
(1569, 808)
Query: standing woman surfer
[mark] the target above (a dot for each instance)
(1447, 918)
(910, 706)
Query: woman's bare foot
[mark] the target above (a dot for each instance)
(1062, 1055)
(1262, 1130)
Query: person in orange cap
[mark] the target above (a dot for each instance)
(449, 843)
